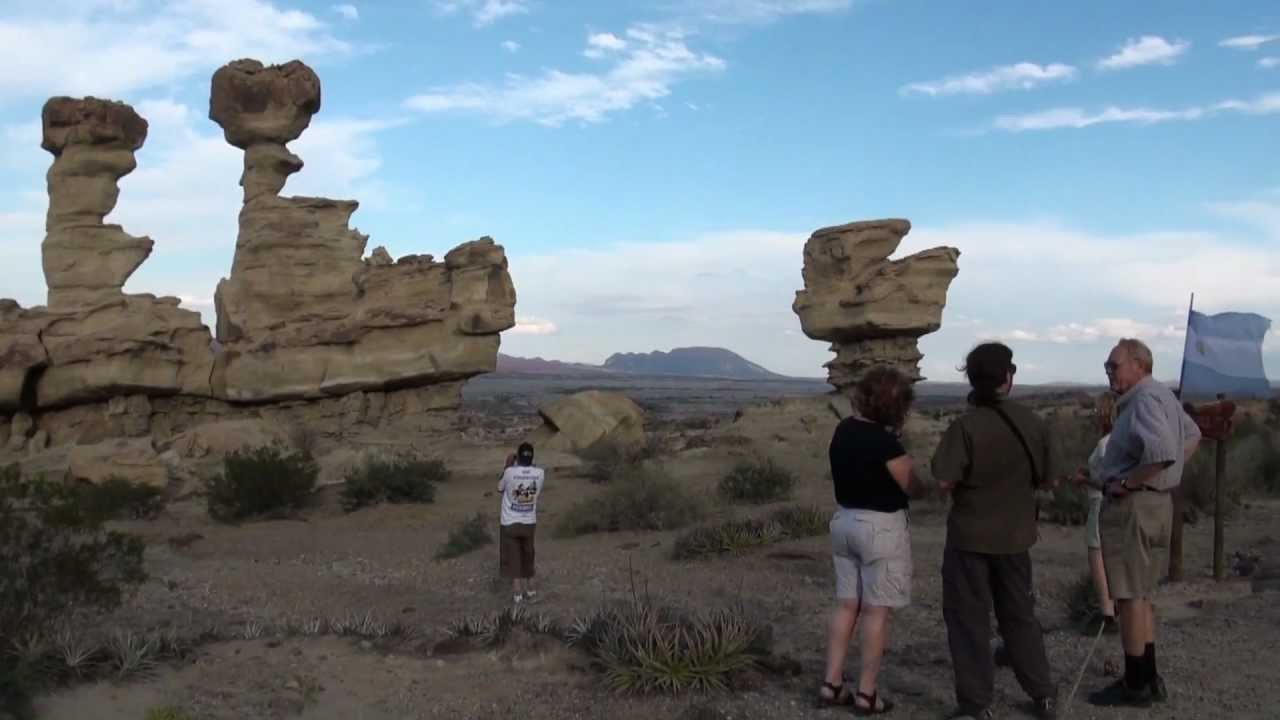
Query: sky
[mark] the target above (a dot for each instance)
(653, 169)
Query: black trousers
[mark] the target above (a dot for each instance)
(972, 585)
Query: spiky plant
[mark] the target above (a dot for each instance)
(77, 651)
(131, 654)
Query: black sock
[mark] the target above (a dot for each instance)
(1134, 667)
(1149, 662)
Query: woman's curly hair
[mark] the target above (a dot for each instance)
(884, 396)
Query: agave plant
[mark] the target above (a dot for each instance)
(131, 653)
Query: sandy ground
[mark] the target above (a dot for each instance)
(1218, 641)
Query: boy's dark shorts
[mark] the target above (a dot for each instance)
(515, 550)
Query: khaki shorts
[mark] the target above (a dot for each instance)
(871, 552)
(1135, 542)
(515, 550)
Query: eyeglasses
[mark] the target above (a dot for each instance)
(1110, 367)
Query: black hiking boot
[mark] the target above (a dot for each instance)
(1158, 691)
(1119, 694)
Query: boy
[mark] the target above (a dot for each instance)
(520, 486)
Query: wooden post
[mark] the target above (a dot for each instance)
(1219, 503)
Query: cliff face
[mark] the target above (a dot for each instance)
(871, 309)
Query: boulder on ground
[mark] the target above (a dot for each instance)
(587, 419)
(132, 459)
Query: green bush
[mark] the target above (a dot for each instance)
(757, 482)
(394, 481)
(117, 498)
(643, 647)
(736, 536)
(263, 481)
(55, 559)
(1253, 466)
(471, 534)
(167, 712)
(640, 499)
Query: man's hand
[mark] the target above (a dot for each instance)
(1115, 488)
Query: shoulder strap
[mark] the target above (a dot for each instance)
(1035, 472)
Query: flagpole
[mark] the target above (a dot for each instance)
(1186, 336)
(1178, 496)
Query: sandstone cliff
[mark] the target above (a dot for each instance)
(872, 309)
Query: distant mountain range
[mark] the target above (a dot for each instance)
(709, 362)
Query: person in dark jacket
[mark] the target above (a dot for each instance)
(992, 460)
(870, 541)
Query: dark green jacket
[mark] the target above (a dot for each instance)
(993, 506)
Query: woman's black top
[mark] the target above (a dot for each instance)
(859, 451)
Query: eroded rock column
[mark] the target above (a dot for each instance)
(871, 309)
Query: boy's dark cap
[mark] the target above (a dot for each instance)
(525, 450)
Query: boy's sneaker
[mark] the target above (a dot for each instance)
(983, 714)
(517, 599)
(531, 595)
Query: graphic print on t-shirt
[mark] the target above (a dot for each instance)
(521, 485)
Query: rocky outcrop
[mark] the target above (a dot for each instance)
(302, 314)
(93, 341)
(871, 309)
(589, 419)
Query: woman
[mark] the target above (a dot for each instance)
(1105, 413)
(992, 459)
(870, 543)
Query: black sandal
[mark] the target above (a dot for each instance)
(839, 696)
(872, 701)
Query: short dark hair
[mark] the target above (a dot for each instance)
(987, 367)
(524, 453)
(884, 395)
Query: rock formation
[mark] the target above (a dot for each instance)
(93, 341)
(871, 309)
(587, 419)
(302, 315)
(350, 342)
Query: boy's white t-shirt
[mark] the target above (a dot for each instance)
(1095, 467)
(520, 487)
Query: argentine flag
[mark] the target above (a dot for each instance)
(1223, 354)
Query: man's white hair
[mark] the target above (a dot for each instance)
(1138, 352)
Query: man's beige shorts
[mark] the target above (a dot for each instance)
(871, 552)
(1135, 542)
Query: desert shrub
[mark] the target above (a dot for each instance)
(645, 647)
(55, 559)
(493, 630)
(1082, 600)
(471, 534)
(1067, 504)
(736, 536)
(640, 499)
(397, 480)
(757, 482)
(608, 459)
(267, 480)
(1253, 466)
(118, 498)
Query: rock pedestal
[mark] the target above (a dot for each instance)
(871, 309)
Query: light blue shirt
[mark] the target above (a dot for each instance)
(1151, 427)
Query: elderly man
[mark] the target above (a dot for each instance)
(1151, 442)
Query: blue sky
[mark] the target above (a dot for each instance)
(653, 168)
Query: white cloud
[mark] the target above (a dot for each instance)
(534, 326)
(653, 61)
(348, 12)
(1248, 42)
(1074, 117)
(760, 11)
(485, 12)
(1020, 76)
(601, 44)
(1146, 50)
(1269, 62)
(511, 46)
(148, 43)
(1106, 329)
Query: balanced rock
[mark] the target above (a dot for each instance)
(92, 341)
(871, 309)
(591, 418)
(303, 314)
